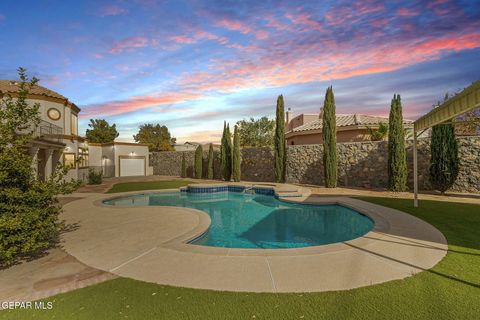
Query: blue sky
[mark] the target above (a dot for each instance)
(190, 65)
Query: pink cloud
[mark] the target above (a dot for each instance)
(380, 23)
(112, 10)
(137, 103)
(304, 19)
(340, 15)
(241, 27)
(406, 12)
(128, 44)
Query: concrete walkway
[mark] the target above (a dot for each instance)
(149, 244)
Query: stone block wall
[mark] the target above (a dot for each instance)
(360, 164)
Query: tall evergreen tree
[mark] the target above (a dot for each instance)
(183, 174)
(329, 133)
(236, 156)
(199, 162)
(279, 141)
(210, 162)
(444, 164)
(223, 158)
(397, 159)
(226, 153)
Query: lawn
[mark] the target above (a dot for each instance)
(451, 290)
(148, 185)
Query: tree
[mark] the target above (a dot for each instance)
(256, 132)
(28, 207)
(236, 156)
(157, 137)
(199, 162)
(329, 133)
(279, 142)
(210, 162)
(226, 153)
(397, 159)
(101, 131)
(380, 133)
(183, 173)
(444, 164)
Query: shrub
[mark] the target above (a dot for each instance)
(198, 162)
(94, 177)
(210, 162)
(444, 157)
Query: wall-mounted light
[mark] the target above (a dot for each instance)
(132, 153)
(67, 148)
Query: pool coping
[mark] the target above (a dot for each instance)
(182, 242)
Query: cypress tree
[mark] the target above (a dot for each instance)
(198, 162)
(329, 133)
(210, 162)
(279, 142)
(184, 166)
(397, 159)
(223, 158)
(228, 154)
(236, 156)
(444, 164)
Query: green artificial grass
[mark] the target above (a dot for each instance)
(451, 290)
(148, 185)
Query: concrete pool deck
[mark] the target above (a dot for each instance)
(149, 244)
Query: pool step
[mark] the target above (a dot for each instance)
(288, 194)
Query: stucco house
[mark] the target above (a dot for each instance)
(307, 128)
(57, 140)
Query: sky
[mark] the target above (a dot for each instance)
(191, 64)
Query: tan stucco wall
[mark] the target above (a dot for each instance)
(356, 135)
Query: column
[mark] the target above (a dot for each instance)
(33, 151)
(48, 163)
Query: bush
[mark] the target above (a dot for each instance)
(94, 177)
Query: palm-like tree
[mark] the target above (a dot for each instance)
(379, 134)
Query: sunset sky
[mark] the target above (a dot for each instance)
(190, 65)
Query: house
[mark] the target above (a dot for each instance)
(187, 146)
(307, 128)
(57, 140)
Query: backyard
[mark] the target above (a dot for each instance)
(450, 290)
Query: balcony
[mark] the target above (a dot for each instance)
(48, 131)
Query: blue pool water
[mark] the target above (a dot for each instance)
(242, 220)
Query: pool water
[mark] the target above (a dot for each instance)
(242, 220)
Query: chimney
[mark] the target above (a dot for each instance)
(288, 118)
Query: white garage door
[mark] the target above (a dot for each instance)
(132, 167)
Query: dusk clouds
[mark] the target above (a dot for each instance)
(166, 61)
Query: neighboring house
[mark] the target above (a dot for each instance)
(307, 129)
(192, 146)
(187, 146)
(57, 140)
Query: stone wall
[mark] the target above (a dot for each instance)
(361, 164)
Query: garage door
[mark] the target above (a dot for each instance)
(132, 167)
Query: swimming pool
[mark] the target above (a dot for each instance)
(241, 220)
